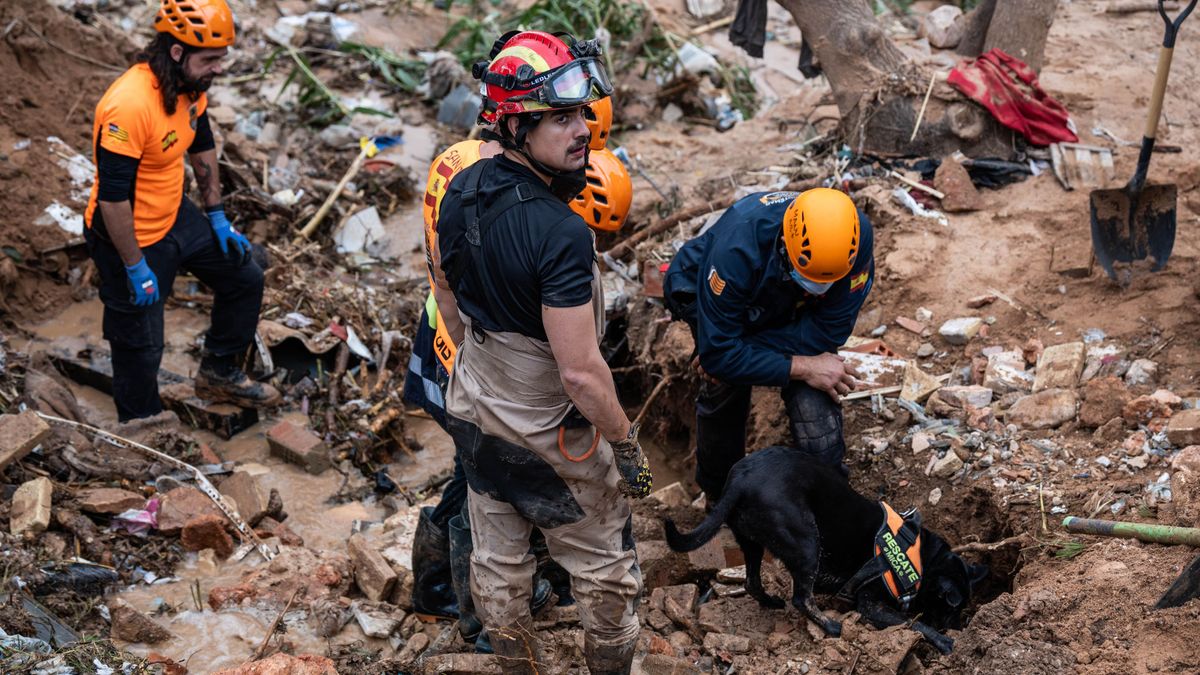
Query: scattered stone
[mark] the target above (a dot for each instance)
(672, 495)
(206, 562)
(924, 315)
(1142, 372)
(960, 331)
(1059, 367)
(286, 664)
(910, 325)
(685, 596)
(204, 532)
(981, 301)
(1109, 432)
(662, 664)
(1032, 351)
(1143, 409)
(1135, 445)
(728, 590)
(732, 575)
(917, 384)
(181, 505)
(374, 576)
(108, 500)
(1168, 397)
(1139, 462)
(658, 620)
(980, 418)
(1044, 410)
(463, 664)
(920, 442)
(720, 642)
(925, 350)
(30, 509)
(660, 565)
(947, 466)
(944, 28)
(1005, 373)
(130, 625)
(19, 435)
(962, 396)
(1104, 398)
(953, 181)
(248, 496)
(377, 619)
(659, 645)
(298, 445)
(1184, 429)
(935, 496)
(416, 644)
(1188, 459)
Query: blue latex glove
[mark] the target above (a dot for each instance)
(143, 284)
(227, 237)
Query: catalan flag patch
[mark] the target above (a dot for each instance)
(715, 283)
(117, 133)
(857, 283)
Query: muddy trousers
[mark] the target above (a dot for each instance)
(605, 578)
(814, 419)
(135, 334)
(587, 525)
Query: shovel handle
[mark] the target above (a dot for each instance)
(1161, 73)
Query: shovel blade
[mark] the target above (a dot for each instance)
(1128, 227)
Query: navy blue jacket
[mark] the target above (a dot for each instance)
(732, 285)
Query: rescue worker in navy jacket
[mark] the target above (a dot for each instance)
(770, 292)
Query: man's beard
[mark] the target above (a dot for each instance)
(196, 86)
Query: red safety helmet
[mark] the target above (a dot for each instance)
(531, 71)
(207, 24)
(604, 202)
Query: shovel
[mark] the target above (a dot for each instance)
(1129, 223)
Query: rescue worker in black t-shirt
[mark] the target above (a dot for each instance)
(531, 403)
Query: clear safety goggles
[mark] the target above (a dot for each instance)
(809, 285)
(580, 81)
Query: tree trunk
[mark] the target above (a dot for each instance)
(1020, 28)
(879, 92)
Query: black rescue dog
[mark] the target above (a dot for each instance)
(825, 533)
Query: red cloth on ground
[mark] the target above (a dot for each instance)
(1009, 89)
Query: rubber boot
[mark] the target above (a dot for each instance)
(433, 595)
(608, 659)
(518, 649)
(469, 625)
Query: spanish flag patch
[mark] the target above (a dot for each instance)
(715, 283)
(856, 283)
(117, 133)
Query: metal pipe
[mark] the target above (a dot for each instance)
(1154, 534)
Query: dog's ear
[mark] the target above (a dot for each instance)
(976, 573)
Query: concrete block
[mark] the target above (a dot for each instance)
(374, 576)
(917, 384)
(960, 331)
(962, 396)
(1184, 428)
(1044, 410)
(1059, 367)
(30, 510)
(1005, 373)
(251, 500)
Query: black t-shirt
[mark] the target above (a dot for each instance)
(536, 253)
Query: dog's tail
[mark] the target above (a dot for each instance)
(690, 541)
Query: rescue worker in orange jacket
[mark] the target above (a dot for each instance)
(141, 229)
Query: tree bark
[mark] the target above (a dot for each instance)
(879, 91)
(976, 30)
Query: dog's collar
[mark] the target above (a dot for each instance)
(896, 559)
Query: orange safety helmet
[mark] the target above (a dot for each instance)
(207, 24)
(531, 71)
(821, 235)
(599, 122)
(604, 202)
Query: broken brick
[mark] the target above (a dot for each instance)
(108, 500)
(250, 499)
(374, 576)
(298, 445)
(1184, 428)
(19, 435)
(1104, 399)
(204, 532)
(722, 642)
(1059, 367)
(130, 625)
(181, 505)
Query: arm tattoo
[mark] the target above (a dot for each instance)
(210, 187)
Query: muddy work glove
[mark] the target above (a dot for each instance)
(233, 244)
(143, 284)
(636, 481)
